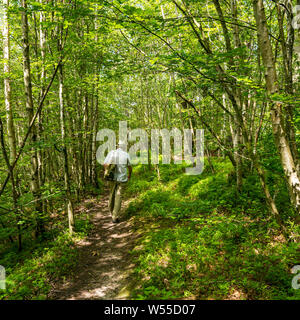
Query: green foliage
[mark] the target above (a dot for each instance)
(201, 239)
(31, 272)
(83, 226)
(31, 279)
(125, 60)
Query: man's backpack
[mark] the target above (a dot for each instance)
(109, 172)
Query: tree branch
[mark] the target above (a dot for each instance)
(30, 128)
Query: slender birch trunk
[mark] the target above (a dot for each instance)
(14, 189)
(69, 204)
(7, 87)
(41, 153)
(279, 130)
(296, 50)
(70, 209)
(34, 182)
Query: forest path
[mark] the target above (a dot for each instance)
(105, 264)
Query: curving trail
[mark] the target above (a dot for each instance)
(105, 265)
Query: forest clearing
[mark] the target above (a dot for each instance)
(207, 204)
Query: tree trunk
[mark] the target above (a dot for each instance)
(14, 192)
(7, 88)
(34, 183)
(279, 130)
(70, 209)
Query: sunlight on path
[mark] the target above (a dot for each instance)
(105, 264)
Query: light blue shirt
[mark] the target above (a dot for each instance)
(122, 160)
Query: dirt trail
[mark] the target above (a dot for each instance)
(105, 265)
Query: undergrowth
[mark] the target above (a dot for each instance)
(202, 240)
(31, 272)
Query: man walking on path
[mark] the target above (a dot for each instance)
(121, 159)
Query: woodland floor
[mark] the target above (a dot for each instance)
(105, 265)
